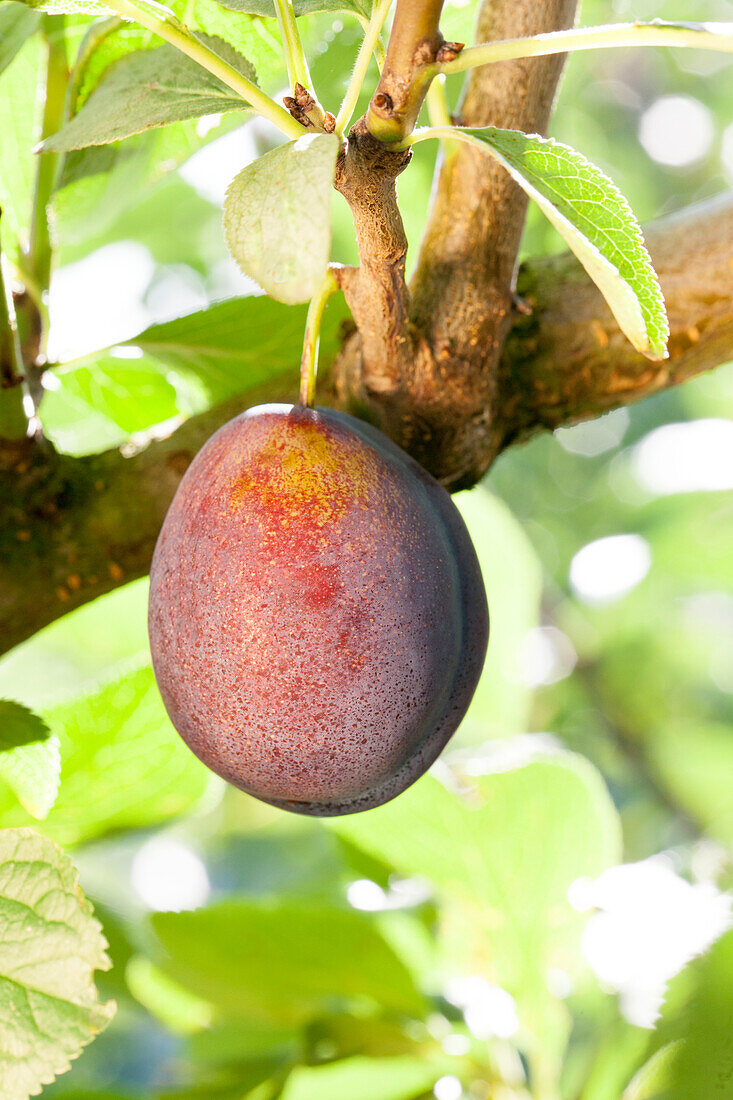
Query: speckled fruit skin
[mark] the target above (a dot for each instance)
(318, 621)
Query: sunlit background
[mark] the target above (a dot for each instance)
(606, 550)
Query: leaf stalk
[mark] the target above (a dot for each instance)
(705, 36)
(161, 21)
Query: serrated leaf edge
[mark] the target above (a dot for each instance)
(100, 1013)
(631, 320)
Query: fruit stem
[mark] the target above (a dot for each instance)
(311, 338)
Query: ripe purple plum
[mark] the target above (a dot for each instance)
(318, 620)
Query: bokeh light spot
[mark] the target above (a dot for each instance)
(676, 130)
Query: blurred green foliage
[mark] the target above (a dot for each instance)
(321, 962)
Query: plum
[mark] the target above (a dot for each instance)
(318, 621)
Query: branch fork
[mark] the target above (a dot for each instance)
(424, 363)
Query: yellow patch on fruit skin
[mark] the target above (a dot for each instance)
(302, 472)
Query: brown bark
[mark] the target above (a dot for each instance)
(568, 361)
(444, 408)
(72, 529)
(376, 290)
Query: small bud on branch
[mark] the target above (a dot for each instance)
(449, 51)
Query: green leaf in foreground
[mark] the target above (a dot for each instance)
(96, 404)
(277, 217)
(17, 24)
(30, 763)
(363, 1079)
(124, 765)
(18, 123)
(80, 650)
(696, 1059)
(50, 946)
(150, 88)
(595, 221)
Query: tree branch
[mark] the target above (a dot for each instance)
(72, 529)
(568, 361)
(376, 291)
(387, 350)
(462, 293)
(414, 42)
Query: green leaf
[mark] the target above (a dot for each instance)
(654, 1079)
(595, 221)
(237, 345)
(19, 726)
(30, 763)
(50, 946)
(617, 1047)
(502, 860)
(124, 765)
(513, 580)
(182, 1012)
(695, 1056)
(277, 217)
(152, 222)
(100, 183)
(283, 961)
(150, 88)
(259, 44)
(91, 646)
(17, 24)
(96, 404)
(266, 8)
(106, 41)
(185, 366)
(294, 859)
(363, 1079)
